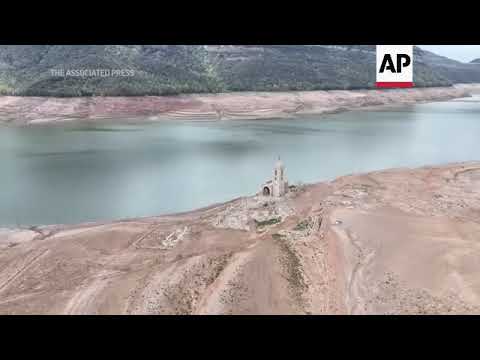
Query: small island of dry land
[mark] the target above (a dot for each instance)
(401, 241)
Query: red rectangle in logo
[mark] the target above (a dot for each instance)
(394, 84)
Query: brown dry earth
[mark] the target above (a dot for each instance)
(226, 106)
(400, 241)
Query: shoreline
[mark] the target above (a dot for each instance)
(396, 241)
(25, 111)
(186, 214)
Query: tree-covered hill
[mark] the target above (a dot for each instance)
(35, 70)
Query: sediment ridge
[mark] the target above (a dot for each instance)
(225, 106)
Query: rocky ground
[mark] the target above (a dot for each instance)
(403, 241)
(241, 105)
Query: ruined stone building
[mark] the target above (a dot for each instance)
(279, 185)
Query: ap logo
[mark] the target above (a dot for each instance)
(394, 66)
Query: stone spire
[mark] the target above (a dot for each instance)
(279, 185)
(279, 181)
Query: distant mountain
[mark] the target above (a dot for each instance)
(454, 71)
(175, 69)
(476, 61)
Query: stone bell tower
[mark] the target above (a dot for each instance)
(280, 183)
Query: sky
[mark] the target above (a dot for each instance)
(465, 53)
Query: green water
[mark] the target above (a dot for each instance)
(90, 173)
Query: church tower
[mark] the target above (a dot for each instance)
(280, 184)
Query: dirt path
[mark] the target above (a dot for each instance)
(83, 302)
(211, 300)
(25, 265)
(356, 289)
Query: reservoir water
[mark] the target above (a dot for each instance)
(80, 173)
